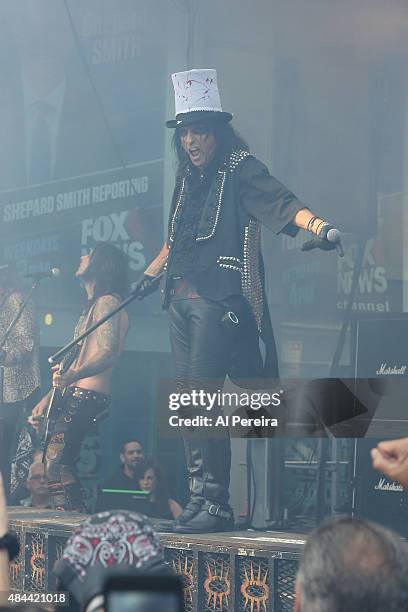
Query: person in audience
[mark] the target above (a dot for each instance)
(131, 455)
(352, 565)
(123, 479)
(106, 543)
(391, 459)
(150, 478)
(37, 485)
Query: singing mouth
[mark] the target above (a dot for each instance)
(194, 153)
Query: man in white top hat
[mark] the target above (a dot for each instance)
(214, 288)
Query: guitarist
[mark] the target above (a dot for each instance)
(83, 386)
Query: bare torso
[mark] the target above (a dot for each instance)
(109, 335)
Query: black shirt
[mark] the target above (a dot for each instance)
(182, 257)
(120, 482)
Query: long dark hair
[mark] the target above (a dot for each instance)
(108, 268)
(161, 490)
(226, 138)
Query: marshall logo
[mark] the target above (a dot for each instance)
(386, 370)
(384, 485)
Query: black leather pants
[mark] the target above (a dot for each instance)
(74, 417)
(200, 348)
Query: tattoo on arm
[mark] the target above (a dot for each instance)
(108, 334)
(107, 339)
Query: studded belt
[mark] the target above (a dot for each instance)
(87, 394)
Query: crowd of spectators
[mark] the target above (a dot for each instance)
(138, 483)
(347, 565)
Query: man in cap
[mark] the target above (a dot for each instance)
(107, 543)
(214, 273)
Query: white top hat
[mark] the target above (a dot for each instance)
(196, 97)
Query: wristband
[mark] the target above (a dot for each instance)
(320, 226)
(10, 543)
(310, 224)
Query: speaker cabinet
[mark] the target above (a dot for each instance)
(377, 498)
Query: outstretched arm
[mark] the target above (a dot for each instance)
(307, 220)
(269, 201)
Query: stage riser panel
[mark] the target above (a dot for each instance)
(218, 576)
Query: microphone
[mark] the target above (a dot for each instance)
(334, 236)
(39, 275)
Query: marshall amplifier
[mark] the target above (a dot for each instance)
(380, 367)
(377, 498)
(380, 343)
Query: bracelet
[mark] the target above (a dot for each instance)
(10, 543)
(310, 224)
(321, 224)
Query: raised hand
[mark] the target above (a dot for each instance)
(391, 459)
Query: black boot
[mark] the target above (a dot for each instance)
(208, 463)
(210, 518)
(193, 506)
(195, 479)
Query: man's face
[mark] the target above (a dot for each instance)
(37, 482)
(132, 454)
(83, 265)
(198, 142)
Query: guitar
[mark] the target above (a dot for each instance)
(57, 396)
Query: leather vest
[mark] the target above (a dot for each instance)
(228, 261)
(228, 257)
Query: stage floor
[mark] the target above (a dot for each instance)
(220, 571)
